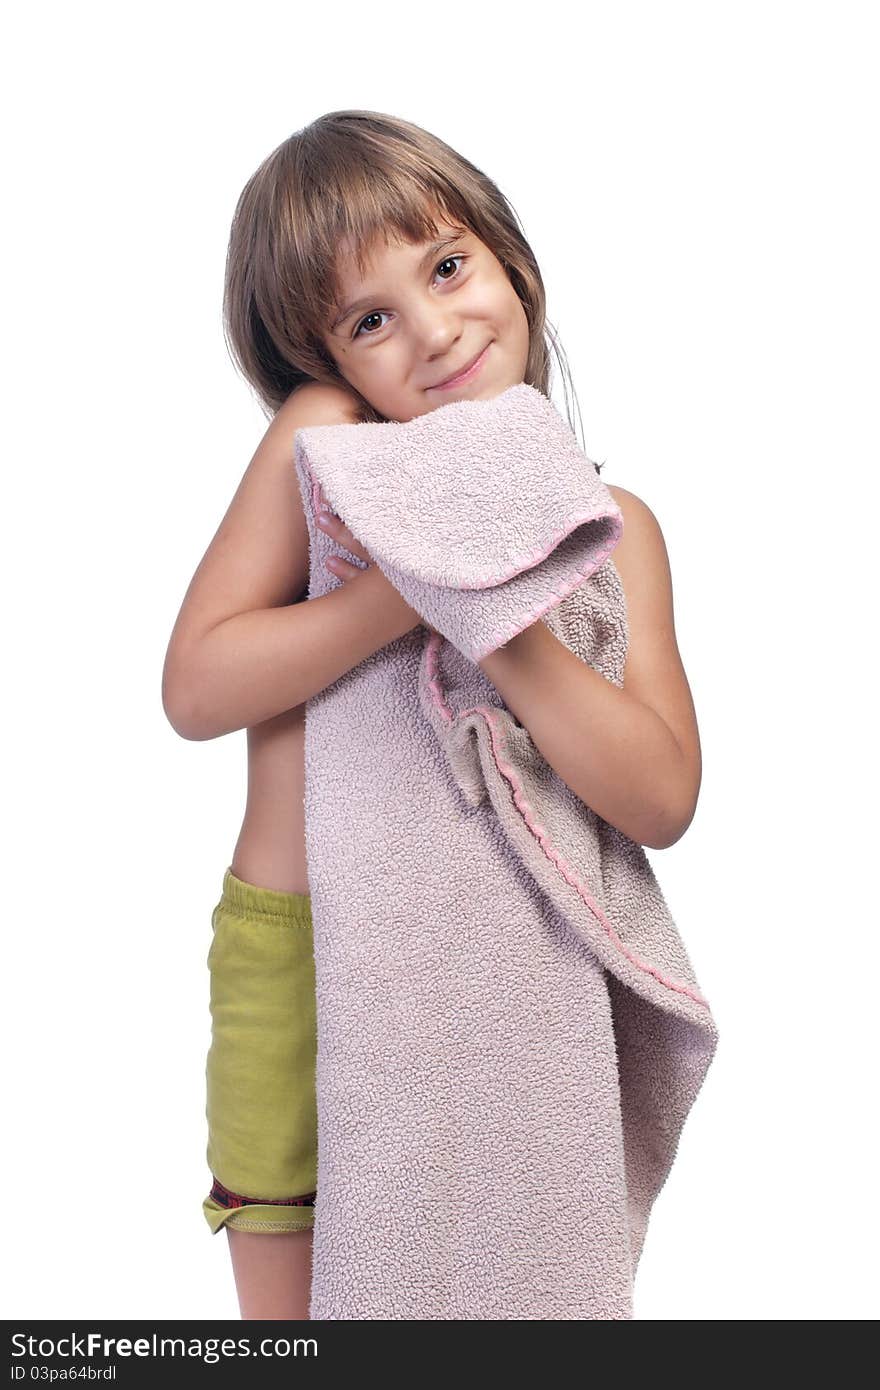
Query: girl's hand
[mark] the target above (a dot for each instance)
(331, 525)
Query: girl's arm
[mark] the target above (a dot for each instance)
(242, 650)
(631, 755)
(256, 665)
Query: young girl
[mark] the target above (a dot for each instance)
(373, 274)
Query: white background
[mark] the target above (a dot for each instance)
(699, 184)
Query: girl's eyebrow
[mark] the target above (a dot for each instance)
(433, 250)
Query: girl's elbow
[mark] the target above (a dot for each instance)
(180, 711)
(672, 821)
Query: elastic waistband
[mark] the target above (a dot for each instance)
(252, 900)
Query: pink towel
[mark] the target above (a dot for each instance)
(510, 1031)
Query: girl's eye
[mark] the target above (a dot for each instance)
(377, 313)
(447, 260)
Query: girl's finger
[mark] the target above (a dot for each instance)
(344, 537)
(343, 568)
(332, 526)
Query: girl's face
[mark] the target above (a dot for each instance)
(423, 313)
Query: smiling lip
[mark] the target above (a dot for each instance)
(465, 374)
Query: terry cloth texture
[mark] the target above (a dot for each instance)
(510, 1031)
(260, 1070)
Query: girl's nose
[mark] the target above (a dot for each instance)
(436, 329)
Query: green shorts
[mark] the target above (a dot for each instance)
(261, 1103)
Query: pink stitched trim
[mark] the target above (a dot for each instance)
(434, 684)
(315, 488)
(502, 635)
(539, 831)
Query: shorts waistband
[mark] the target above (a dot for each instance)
(251, 899)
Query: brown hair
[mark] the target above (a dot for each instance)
(350, 177)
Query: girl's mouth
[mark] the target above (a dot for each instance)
(467, 374)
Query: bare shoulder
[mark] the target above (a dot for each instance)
(318, 403)
(654, 672)
(641, 557)
(258, 557)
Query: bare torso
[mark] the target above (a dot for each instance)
(271, 847)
